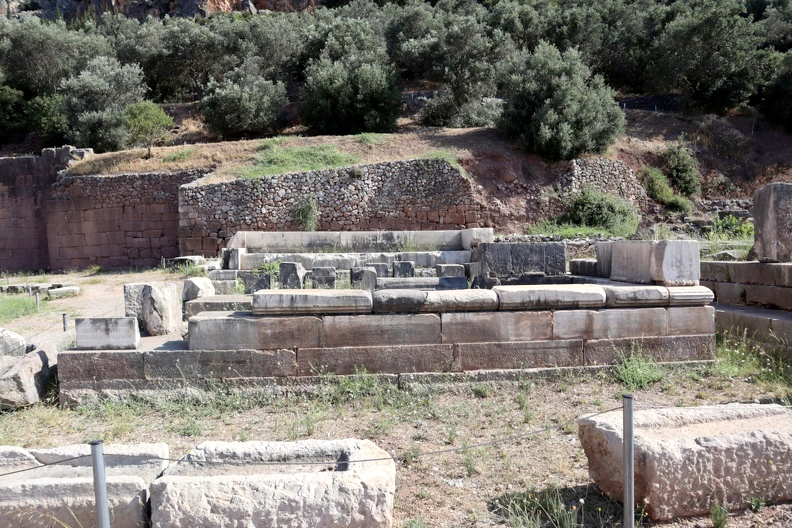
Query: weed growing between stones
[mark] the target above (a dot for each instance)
(306, 213)
(719, 515)
(637, 371)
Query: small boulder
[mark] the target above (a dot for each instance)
(11, 343)
(25, 380)
(197, 287)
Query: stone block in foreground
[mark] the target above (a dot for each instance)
(201, 492)
(298, 301)
(664, 262)
(687, 459)
(550, 296)
(107, 333)
(773, 222)
(239, 330)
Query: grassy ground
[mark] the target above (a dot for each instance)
(479, 455)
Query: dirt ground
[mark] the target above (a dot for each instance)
(504, 438)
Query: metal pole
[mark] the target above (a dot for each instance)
(629, 462)
(65, 322)
(38, 306)
(100, 485)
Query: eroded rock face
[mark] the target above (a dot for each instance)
(25, 380)
(687, 459)
(156, 305)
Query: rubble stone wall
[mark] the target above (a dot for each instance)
(602, 174)
(130, 220)
(400, 195)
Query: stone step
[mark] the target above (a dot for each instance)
(315, 301)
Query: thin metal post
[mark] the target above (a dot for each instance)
(100, 484)
(38, 305)
(30, 291)
(629, 462)
(65, 322)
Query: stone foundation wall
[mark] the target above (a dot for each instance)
(24, 188)
(609, 176)
(410, 195)
(115, 221)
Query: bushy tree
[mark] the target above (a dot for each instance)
(557, 109)
(777, 102)
(592, 208)
(351, 88)
(12, 106)
(146, 123)
(45, 116)
(682, 170)
(95, 101)
(244, 104)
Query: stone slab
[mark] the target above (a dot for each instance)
(768, 297)
(145, 460)
(604, 258)
(690, 295)
(715, 271)
(239, 330)
(688, 459)
(323, 277)
(62, 293)
(291, 275)
(662, 349)
(382, 268)
(729, 292)
(196, 287)
(292, 302)
(550, 297)
(772, 213)
(610, 323)
(375, 330)
(364, 278)
(403, 269)
(471, 238)
(107, 333)
(628, 296)
(423, 283)
(487, 327)
(676, 263)
(754, 323)
(218, 364)
(450, 270)
(585, 267)
(219, 303)
(195, 492)
(254, 280)
(223, 274)
(28, 378)
(520, 355)
(225, 287)
(375, 359)
(631, 261)
(691, 320)
(398, 301)
(75, 365)
(459, 301)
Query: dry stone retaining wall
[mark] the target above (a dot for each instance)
(115, 221)
(413, 194)
(609, 176)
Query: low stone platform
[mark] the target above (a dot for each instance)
(295, 302)
(688, 459)
(218, 303)
(770, 328)
(328, 489)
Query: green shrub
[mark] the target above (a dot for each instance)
(777, 101)
(146, 123)
(44, 115)
(244, 104)
(637, 371)
(11, 110)
(556, 108)
(306, 213)
(731, 227)
(595, 209)
(657, 187)
(682, 170)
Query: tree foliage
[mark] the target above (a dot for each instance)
(146, 123)
(556, 108)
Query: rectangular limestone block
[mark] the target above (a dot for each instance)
(687, 459)
(662, 348)
(485, 327)
(691, 320)
(375, 359)
(521, 355)
(375, 330)
(771, 297)
(627, 296)
(240, 330)
(755, 323)
(715, 271)
(218, 303)
(459, 301)
(772, 213)
(298, 301)
(550, 296)
(586, 267)
(611, 323)
(676, 262)
(690, 295)
(76, 365)
(752, 273)
(630, 261)
(224, 364)
(604, 256)
(107, 333)
(729, 292)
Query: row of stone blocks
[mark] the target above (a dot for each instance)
(318, 484)
(750, 283)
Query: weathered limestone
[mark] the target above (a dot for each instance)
(254, 280)
(323, 278)
(403, 269)
(223, 274)
(61, 293)
(604, 257)
(423, 283)
(156, 305)
(514, 259)
(689, 295)
(63, 494)
(586, 267)
(291, 275)
(621, 296)
(378, 359)
(382, 268)
(550, 297)
(691, 320)
(107, 333)
(219, 303)
(658, 348)
(687, 459)
(196, 492)
(282, 302)
(11, 343)
(25, 380)
(521, 355)
(460, 301)
(398, 301)
(238, 330)
(612, 323)
(226, 287)
(364, 278)
(374, 330)
(665, 262)
(197, 287)
(493, 327)
(450, 270)
(773, 222)
(195, 366)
